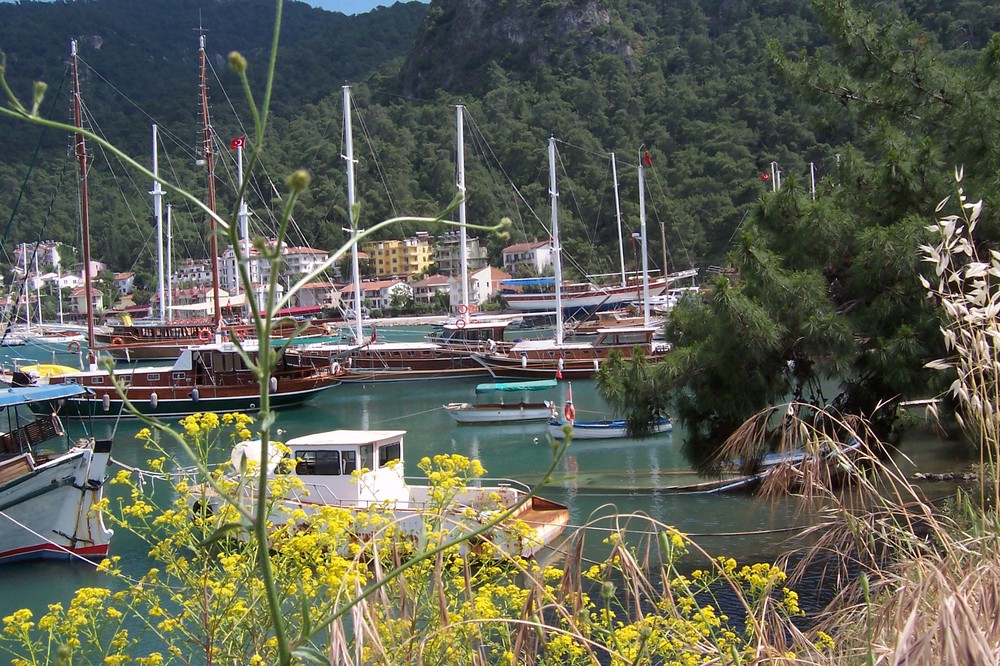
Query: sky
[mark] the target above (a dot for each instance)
(349, 6)
(345, 6)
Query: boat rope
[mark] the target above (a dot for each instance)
(44, 538)
(695, 535)
(406, 416)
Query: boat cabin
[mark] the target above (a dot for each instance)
(471, 335)
(328, 461)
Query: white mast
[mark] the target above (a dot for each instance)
(242, 219)
(556, 246)
(170, 270)
(642, 231)
(349, 156)
(463, 236)
(158, 216)
(27, 289)
(59, 291)
(618, 216)
(38, 289)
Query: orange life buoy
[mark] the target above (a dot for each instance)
(73, 346)
(204, 335)
(117, 341)
(473, 308)
(462, 308)
(569, 411)
(460, 323)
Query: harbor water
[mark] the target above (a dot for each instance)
(601, 481)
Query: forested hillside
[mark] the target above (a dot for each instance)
(693, 82)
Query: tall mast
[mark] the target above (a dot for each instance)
(463, 235)
(349, 157)
(556, 245)
(170, 280)
(213, 242)
(81, 155)
(618, 217)
(642, 232)
(158, 216)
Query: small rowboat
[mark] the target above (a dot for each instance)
(603, 429)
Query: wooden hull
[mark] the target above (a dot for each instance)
(179, 401)
(464, 412)
(392, 362)
(47, 507)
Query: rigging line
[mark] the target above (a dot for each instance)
(587, 151)
(31, 167)
(383, 175)
(34, 253)
(188, 208)
(406, 416)
(661, 187)
(481, 147)
(471, 121)
(565, 256)
(253, 184)
(128, 177)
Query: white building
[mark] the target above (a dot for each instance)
(194, 272)
(531, 258)
(377, 295)
(425, 289)
(484, 284)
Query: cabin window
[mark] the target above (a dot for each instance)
(320, 463)
(305, 463)
(152, 376)
(97, 380)
(178, 376)
(367, 456)
(388, 453)
(349, 460)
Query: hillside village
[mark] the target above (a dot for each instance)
(420, 274)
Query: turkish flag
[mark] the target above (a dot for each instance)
(646, 159)
(237, 142)
(765, 176)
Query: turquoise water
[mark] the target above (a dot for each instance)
(596, 479)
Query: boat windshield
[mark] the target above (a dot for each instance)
(387, 453)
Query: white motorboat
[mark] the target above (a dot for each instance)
(327, 464)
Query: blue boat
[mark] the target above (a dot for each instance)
(602, 429)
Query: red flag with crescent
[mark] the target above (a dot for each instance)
(237, 142)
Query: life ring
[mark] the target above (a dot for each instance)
(463, 308)
(460, 323)
(473, 308)
(335, 368)
(204, 335)
(115, 341)
(569, 411)
(73, 346)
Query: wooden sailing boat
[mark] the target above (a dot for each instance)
(210, 377)
(165, 339)
(449, 353)
(580, 358)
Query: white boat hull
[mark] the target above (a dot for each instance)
(606, 298)
(464, 412)
(606, 429)
(46, 510)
